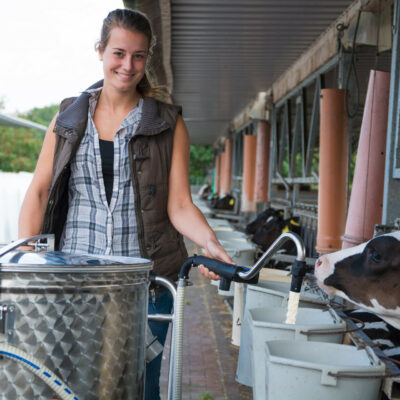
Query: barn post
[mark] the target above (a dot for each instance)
(249, 165)
(262, 162)
(333, 162)
(226, 168)
(217, 173)
(391, 191)
(365, 209)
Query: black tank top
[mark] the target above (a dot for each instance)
(107, 165)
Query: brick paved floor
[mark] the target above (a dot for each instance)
(209, 364)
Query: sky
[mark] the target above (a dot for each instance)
(47, 50)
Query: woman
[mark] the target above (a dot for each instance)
(112, 176)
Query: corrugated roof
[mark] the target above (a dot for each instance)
(225, 51)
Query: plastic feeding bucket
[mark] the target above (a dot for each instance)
(242, 253)
(231, 236)
(266, 294)
(269, 324)
(315, 371)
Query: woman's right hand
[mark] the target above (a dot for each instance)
(213, 249)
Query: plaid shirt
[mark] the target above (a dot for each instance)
(94, 226)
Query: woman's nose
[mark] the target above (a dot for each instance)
(128, 63)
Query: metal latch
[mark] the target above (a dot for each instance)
(7, 318)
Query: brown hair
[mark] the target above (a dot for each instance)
(134, 21)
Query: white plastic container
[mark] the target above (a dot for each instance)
(225, 228)
(266, 294)
(205, 211)
(218, 222)
(237, 315)
(243, 254)
(269, 324)
(229, 236)
(303, 371)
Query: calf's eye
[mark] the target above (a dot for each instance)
(376, 257)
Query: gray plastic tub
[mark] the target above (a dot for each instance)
(303, 371)
(218, 223)
(231, 236)
(266, 294)
(269, 324)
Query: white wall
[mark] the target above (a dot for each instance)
(12, 192)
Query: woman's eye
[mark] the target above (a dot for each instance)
(118, 54)
(139, 56)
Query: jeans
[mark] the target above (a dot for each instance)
(163, 305)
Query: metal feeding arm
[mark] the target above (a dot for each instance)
(301, 254)
(230, 272)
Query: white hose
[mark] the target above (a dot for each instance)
(178, 337)
(293, 306)
(38, 369)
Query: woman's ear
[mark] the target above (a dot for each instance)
(100, 51)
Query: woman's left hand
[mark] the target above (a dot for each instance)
(213, 249)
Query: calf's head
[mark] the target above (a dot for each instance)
(367, 275)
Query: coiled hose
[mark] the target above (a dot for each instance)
(35, 366)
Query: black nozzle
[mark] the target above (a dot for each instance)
(298, 270)
(224, 284)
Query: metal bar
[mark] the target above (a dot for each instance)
(314, 126)
(303, 130)
(273, 149)
(391, 191)
(287, 135)
(295, 139)
(281, 140)
(278, 243)
(14, 245)
(296, 180)
(308, 81)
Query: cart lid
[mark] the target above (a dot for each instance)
(60, 262)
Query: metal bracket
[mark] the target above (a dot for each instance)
(7, 318)
(36, 241)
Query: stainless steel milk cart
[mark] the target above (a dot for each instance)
(78, 322)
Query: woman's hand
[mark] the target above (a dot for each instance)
(213, 249)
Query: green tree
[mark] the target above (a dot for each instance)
(20, 147)
(42, 115)
(201, 161)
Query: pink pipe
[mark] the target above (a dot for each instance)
(226, 168)
(262, 162)
(249, 165)
(333, 162)
(366, 198)
(217, 173)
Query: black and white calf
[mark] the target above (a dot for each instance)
(367, 275)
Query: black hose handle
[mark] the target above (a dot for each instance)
(227, 272)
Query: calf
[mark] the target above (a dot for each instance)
(253, 226)
(273, 228)
(225, 202)
(367, 275)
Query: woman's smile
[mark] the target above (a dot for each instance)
(124, 59)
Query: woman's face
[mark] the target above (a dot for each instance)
(124, 59)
